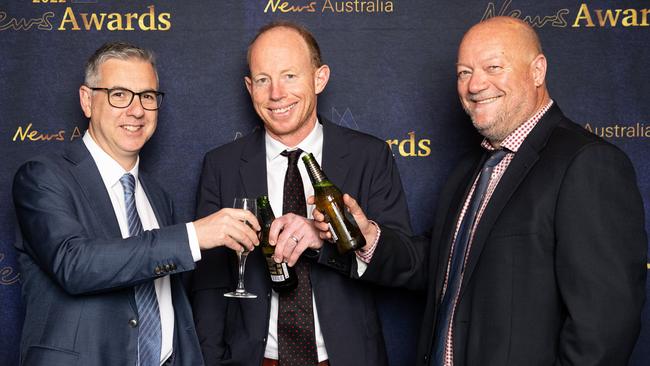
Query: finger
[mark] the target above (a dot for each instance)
(317, 215)
(232, 244)
(276, 227)
(297, 252)
(311, 200)
(243, 234)
(249, 217)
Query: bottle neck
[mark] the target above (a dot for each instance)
(316, 174)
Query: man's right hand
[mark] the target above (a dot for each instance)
(227, 227)
(368, 230)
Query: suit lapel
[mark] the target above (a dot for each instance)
(519, 167)
(252, 168)
(335, 151)
(90, 183)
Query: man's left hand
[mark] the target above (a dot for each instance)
(293, 234)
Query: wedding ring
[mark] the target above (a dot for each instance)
(294, 239)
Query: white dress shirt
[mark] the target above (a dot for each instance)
(111, 172)
(276, 168)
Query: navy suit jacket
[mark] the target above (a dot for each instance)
(232, 331)
(556, 273)
(78, 273)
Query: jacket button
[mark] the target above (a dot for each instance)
(173, 267)
(168, 268)
(157, 270)
(133, 323)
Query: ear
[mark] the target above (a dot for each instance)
(85, 99)
(322, 76)
(249, 85)
(538, 67)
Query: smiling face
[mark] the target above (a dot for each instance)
(500, 74)
(121, 132)
(284, 83)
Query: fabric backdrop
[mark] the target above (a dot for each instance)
(393, 75)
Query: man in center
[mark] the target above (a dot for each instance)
(329, 319)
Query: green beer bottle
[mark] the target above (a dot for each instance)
(329, 201)
(283, 277)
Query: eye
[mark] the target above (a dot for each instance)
(260, 81)
(118, 93)
(463, 74)
(494, 68)
(291, 76)
(149, 96)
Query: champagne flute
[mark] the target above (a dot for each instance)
(251, 205)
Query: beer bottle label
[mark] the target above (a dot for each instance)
(279, 271)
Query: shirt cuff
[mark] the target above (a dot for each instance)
(364, 256)
(194, 242)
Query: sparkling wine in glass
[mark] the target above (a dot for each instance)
(251, 205)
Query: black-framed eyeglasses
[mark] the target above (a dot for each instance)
(122, 97)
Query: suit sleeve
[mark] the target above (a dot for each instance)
(55, 237)
(212, 277)
(600, 258)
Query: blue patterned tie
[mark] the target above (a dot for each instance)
(150, 334)
(444, 319)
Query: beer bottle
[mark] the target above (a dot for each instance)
(283, 277)
(329, 201)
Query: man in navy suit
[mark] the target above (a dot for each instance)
(550, 269)
(286, 75)
(100, 250)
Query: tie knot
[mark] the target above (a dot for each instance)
(495, 157)
(128, 183)
(292, 156)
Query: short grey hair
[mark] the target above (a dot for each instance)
(116, 50)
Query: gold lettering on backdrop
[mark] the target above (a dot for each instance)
(8, 275)
(358, 6)
(27, 133)
(637, 130)
(555, 20)
(286, 7)
(411, 146)
(148, 21)
(17, 24)
(610, 17)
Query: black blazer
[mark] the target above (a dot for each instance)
(233, 332)
(78, 273)
(556, 273)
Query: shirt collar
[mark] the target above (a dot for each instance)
(110, 170)
(513, 141)
(309, 145)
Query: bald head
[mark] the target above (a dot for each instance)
(501, 76)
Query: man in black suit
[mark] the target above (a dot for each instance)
(550, 269)
(286, 74)
(98, 289)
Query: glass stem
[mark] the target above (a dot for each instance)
(242, 266)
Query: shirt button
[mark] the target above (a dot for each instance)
(133, 323)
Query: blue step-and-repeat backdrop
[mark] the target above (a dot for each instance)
(393, 75)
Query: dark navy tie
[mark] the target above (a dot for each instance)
(445, 311)
(150, 334)
(296, 338)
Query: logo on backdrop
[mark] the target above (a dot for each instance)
(8, 275)
(584, 16)
(31, 133)
(67, 16)
(617, 130)
(330, 6)
(407, 146)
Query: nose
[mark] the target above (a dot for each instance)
(477, 82)
(135, 108)
(277, 90)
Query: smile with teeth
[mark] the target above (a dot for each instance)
(132, 128)
(283, 109)
(486, 101)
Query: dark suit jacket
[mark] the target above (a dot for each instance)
(78, 273)
(556, 273)
(233, 332)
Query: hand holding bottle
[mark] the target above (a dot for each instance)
(368, 230)
(291, 235)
